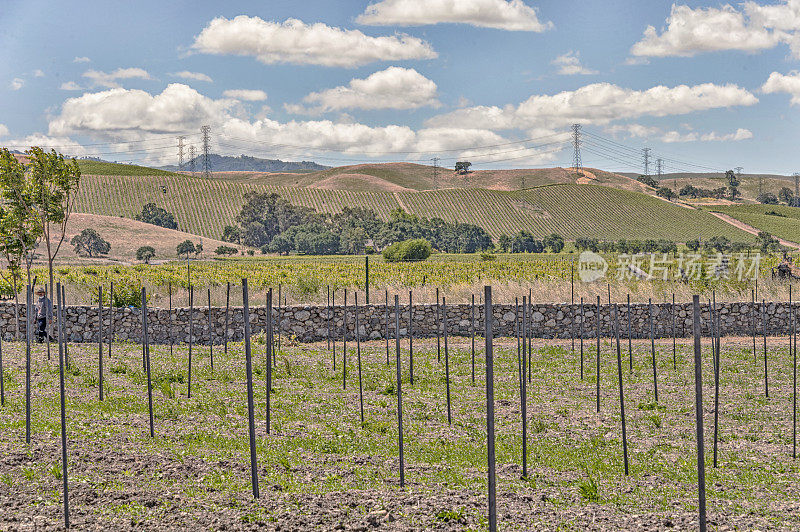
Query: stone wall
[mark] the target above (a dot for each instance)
(309, 323)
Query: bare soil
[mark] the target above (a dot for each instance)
(320, 468)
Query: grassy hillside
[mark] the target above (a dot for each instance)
(126, 236)
(204, 207)
(104, 168)
(786, 226)
(749, 186)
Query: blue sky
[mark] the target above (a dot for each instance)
(344, 82)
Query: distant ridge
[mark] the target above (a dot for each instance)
(245, 163)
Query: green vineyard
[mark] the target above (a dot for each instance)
(784, 224)
(205, 206)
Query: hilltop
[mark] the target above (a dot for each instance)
(245, 163)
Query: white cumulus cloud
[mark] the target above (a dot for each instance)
(124, 115)
(16, 84)
(197, 76)
(83, 59)
(511, 15)
(293, 41)
(131, 114)
(109, 79)
(672, 136)
(393, 88)
(569, 64)
(3, 130)
(598, 103)
(70, 86)
(752, 28)
(38, 73)
(247, 95)
(784, 83)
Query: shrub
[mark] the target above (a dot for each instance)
(410, 250)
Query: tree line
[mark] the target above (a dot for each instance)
(274, 225)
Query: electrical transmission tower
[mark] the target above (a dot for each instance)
(435, 172)
(576, 144)
(659, 162)
(180, 152)
(646, 156)
(191, 159)
(206, 131)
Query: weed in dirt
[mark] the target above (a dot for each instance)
(451, 516)
(587, 487)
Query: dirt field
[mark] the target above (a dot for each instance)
(321, 469)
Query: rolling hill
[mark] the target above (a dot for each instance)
(126, 236)
(783, 223)
(749, 183)
(205, 206)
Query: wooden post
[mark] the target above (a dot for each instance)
(399, 390)
(270, 356)
(715, 352)
(653, 349)
(227, 315)
(580, 334)
(100, 338)
(630, 337)
(250, 407)
(410, 340)
(111, 319)
(333, 310)
(698, 387)
(191, 332)
(764, 320)
(210, 332)
(30, 317)
(146, 351)
(366, 278)
(344, 349)
(438, 329)
(621, 392)
(472, 330)
(169, 330)
(598, 353)
(524, 392)
(446, 362)
(386, 312)
(358, 355)
(490, 409)
(674, 340)
(61, 359)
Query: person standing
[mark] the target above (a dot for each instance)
(44, 313)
